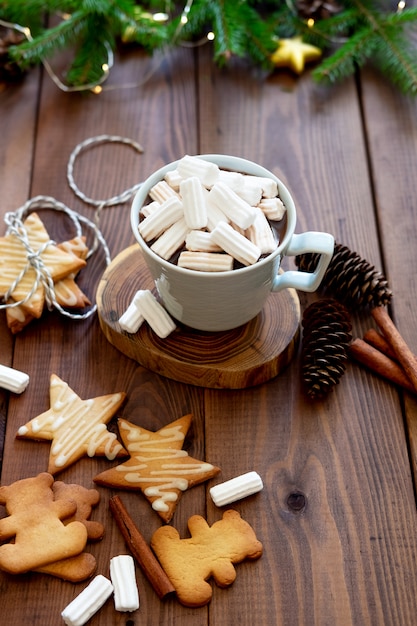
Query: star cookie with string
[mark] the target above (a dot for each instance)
(67, 292)
(28, 257)
(77, 428)
(158, 466)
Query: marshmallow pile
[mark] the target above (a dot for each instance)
(92, 598)
(211, 217)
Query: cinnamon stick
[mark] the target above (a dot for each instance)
(379, 342)
(403, 353)
(379, 363)
(140, 549)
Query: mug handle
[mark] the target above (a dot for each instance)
(313, 242)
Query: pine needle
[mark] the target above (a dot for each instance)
(381, 39)
(364, 31)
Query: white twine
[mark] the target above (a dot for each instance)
(101, 204)
(15, 226)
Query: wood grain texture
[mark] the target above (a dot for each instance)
(249, 355)
(392, 150)
(313, 139)
(337, 514)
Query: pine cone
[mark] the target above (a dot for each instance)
(327, 332)
(349, 278)
(317, 9)
(9, 71)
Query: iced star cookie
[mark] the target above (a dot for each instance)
(157, 465)
(14, 263)
(67, 292)
(76, 427)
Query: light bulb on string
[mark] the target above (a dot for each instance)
(97, 86)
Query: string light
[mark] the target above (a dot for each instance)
(401, 6)
(67, 88)
(97, 87)
(160, 17)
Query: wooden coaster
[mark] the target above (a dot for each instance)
(245, 356)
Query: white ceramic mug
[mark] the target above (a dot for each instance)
(219, 301)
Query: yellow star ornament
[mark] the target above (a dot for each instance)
(294, 54)
(76, 427)
(157, 466)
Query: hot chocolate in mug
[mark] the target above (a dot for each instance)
(220, 301)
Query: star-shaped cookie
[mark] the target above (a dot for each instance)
(157, 466)
(67, 292)
(76, 427)
(294, 54)
(14, 261)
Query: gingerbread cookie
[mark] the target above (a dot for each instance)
(33, 533)
(210, 552)
(76, 427)
(13, 263)
(74, 569)
(157, 466)
(83, 566)
(67, 292)
(86, 500)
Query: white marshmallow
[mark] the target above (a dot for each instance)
(201, 241)
(122, 574)
(236, 488)
(171, 240)
(235, 244)
(194, 200)
(206, 171)
(12, 379)
(154, 313)
(168, 213)
(88, 602)
(206, 261)
(260, 233)
(236, 209)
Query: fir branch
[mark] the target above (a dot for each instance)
(398, 62)
(365, 29)
(228, 28)
(92, 52)
(377, 37)
(140, 28)
(230, 20)
(326, 33)
(53, 39)
(347, 58)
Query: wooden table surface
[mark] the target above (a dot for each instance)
(348, 154)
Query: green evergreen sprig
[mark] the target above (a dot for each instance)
(382, 38)
(240, 30)
(363, 31)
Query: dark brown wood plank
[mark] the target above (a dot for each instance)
(337, 512)
(390, 120)
(333, 560)
(17, 132)
(161, 115)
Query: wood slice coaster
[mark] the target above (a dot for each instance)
(234, 359)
